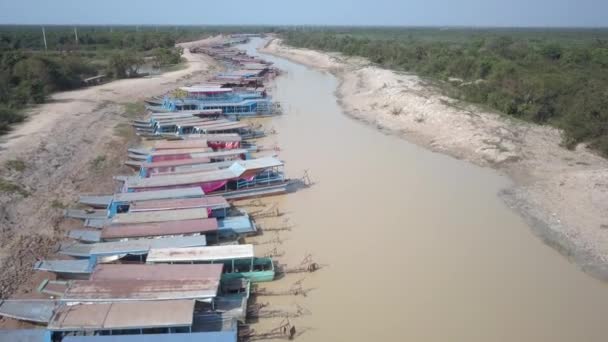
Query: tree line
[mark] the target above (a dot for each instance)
(547, 77)
(29, 73)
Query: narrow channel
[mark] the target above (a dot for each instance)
(419, 246)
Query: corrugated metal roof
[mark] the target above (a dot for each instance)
(211, 336)
(198, 158)
(178, 144)
(25, 335)
(31, 310)
(64, 266)
(137, 290)
(182, 123)
(160, 229)
(170, 152)
(134, 246)
(195, 168)
(206, 89)
(160, 216)
(85, 235)
(159, 194)
(211, 253)
(157, 272)
(133, 315)
(212, 202)
(142, 246)
(215, 128)
(234, 171)
(80, 250)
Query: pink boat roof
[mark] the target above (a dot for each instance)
(235, 171)
(156, 272)
(213, 202)
(180, 144)
(200, 158)
(160, 229)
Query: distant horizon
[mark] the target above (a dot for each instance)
(391, 13)
(307, 25)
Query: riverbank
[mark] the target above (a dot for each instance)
(73, 144)
(561, 193)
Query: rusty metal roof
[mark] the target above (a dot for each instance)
(160, 216)
(160, 229)
(133, 315)
(213, 202)
(157, 272)
(159, 194)
(137, 290)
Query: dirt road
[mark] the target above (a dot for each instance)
(562, 194)
(73, 144)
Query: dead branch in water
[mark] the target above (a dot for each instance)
(274, 253)
(260, 311)
(272, 211)
(284, 331)
(296, 289)
(306, 265)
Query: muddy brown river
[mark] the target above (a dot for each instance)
(418, 245)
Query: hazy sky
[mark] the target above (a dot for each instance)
(335, 12)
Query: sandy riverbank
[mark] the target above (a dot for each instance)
(73, 144)
(561, 193)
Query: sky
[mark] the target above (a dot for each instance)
(560, 13)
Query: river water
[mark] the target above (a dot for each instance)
(418, 245)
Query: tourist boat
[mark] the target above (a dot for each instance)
(120, 321)
(243, 179)
(238, 260)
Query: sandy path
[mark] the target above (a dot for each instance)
(563, 194)
(73, 144)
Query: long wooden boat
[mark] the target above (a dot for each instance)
(239, 260)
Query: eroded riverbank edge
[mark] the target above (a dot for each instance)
(561, 194)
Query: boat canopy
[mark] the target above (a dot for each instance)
(211, 336)
(133, 315)
(31, 310)
(170, 152)
(157, 272)
(236, 170)
(130, 290)
(179, 144)
(213, 203)
(81, 266)
(198, 158)
(159, 194)
(184, 227)
(206, 89)
(160, 216)
(200, 254)
(86, 235)
(135, 246)
(25, 335)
